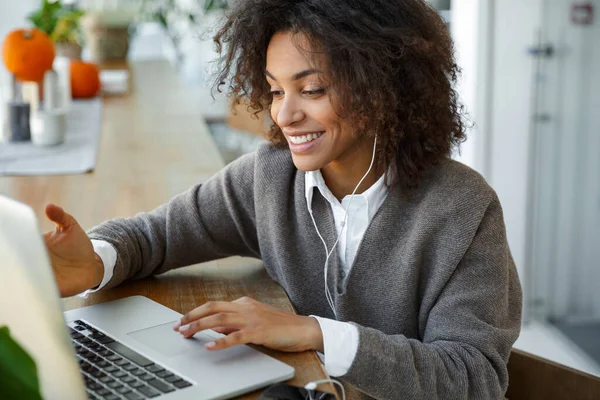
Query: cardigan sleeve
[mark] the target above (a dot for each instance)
(209, 221)
(469, 333)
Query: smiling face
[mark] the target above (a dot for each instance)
(304, 109)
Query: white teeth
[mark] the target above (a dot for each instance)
(305, 138)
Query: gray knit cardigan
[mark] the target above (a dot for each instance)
(433, 290)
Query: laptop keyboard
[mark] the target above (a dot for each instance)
(113, 371)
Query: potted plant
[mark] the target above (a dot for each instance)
(178, 21)
(106, 27)
(62, 24)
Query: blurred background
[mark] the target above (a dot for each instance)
(531, 88)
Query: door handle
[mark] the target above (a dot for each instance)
(545, 51)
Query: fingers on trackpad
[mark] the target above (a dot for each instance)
(163, 339)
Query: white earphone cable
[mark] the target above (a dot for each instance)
(328, 295)
(310, 386)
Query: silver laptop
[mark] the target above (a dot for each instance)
(124, 349)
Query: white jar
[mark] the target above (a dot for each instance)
(48, 127)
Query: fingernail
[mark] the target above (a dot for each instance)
(184, 328)
(177, 325)
(210, 345)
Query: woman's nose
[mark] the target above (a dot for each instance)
(289, 112)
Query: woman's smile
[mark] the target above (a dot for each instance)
(303, 142)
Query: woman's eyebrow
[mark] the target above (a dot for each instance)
(299, 75)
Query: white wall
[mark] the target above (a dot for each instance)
(567, 255)
(516, 26)
(492, 39)
(464, 26)
(471, 27)
(13, 14)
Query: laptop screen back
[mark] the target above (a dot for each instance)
(30, 304)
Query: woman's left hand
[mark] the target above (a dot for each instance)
(248, 321)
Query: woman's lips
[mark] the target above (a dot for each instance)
(305, 142)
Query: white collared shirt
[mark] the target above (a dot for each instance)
(340, 339)
(363, 208)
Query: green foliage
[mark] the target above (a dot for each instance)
(18, 373)
(170, 14)
(58, 22)
(215, 5)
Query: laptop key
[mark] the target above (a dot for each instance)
(123, 390)
(133, 396)
(128, 379)
(146, 377)
(164, 374)
(115, 385)
(182, 384)
(160, 385)
(106, 379)
(119, 374)
(121, 362)
(129, 367)
(113, 357)
(111, 369)
(137, 372)
(154, 368)
(111, 397)
(148, 391)
(172, 378)
(129, 354)
(104, 340)
(136, 384)
(103, 392)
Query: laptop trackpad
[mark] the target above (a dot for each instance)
(163, 339)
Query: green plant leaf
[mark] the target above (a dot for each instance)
(215, 5)
(58, 22)
(18, 373)
(162, 19)
(208, 5)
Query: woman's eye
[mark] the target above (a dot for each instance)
(276, 93)
(314, 93)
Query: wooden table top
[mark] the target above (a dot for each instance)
(154, 145)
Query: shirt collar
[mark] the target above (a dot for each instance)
(373, 195)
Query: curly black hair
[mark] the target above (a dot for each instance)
(391, 63)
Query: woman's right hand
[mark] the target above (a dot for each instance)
(76, 266)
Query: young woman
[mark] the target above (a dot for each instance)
(394, 256)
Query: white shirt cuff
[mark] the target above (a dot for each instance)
(340, 344)
(108, 255)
